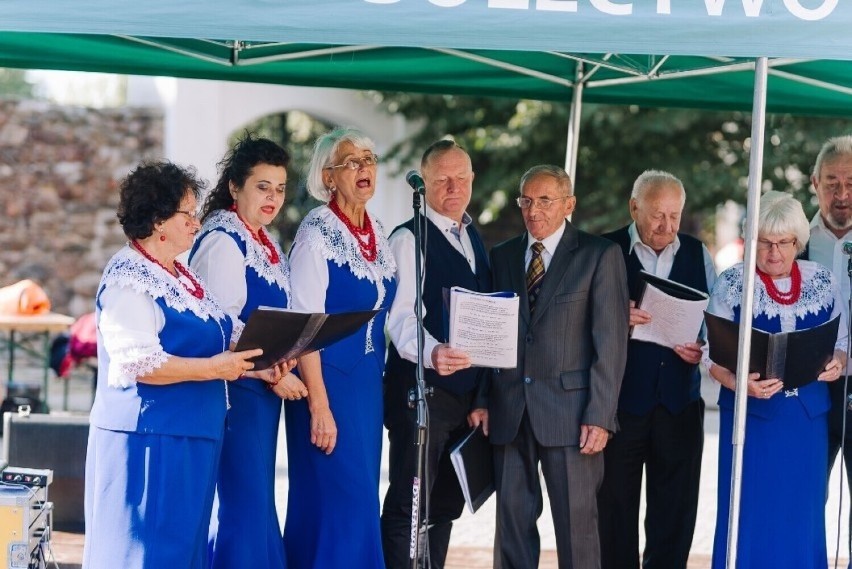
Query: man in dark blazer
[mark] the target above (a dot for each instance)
(660, 410)
(557, 408)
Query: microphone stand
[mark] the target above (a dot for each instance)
(847, 405)
(417, 400)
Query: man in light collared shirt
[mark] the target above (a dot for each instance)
(831, 227)
(660, 410)
(453, 255)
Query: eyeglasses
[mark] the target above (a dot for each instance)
(193, 216)
(541, 203)
(357, 163)
(783, 245)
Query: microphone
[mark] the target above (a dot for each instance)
(847, 246)
(415, 180)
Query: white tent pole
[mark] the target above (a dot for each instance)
(572, 146)
(755, 177)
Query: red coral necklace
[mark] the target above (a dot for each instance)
(197, 290)
(365, 236)
(261, 238)
(785, 298)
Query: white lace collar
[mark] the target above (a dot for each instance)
(256, 257)
(129, 269)
(817, 293)
(322, 231)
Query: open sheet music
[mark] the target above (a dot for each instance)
(677, 312)
(485, 325)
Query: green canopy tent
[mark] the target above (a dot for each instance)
(780, 55)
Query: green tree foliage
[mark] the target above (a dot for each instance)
(14, 84)
(707, 150)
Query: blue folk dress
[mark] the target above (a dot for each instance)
(153, 449)
(333, 500)
(782, 506)
(244, 531)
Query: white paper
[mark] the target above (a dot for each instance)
(485, 326)
(673, 321)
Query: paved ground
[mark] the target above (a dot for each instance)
(473, 534)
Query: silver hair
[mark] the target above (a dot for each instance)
(833, 147)
(782, 214)
(325, 151)
(561, 176)
(652, 179)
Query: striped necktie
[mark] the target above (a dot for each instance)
(535, 273)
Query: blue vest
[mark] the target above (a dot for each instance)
(445, 267)
(190, 408)
(654, 374)
(259, 292)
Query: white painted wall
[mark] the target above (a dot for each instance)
(200, 115)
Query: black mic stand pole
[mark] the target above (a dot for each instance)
(847, 404)
(417, 398)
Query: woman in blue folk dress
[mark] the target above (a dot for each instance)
(782, 507)
(159, 412)
(341, 262)
(244, 268)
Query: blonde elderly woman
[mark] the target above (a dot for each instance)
(340, 262)
(782, 518)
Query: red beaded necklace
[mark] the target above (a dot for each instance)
(197, 291)
(365, 236)
(785, 298)
(261, 238)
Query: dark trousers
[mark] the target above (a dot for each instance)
(572, 481)
(447, 424)
(839, 408)
(669, 448)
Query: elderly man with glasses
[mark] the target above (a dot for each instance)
(556, 409)
(660, 410)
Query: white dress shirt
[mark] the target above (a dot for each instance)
(550, 243)
(401, 321)
(661, 265)
(825, 248)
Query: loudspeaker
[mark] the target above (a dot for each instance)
(57, 442)
(20, 394)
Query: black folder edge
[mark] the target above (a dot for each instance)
(310, 338)
(670, 287)
(477, 441)
(726, 357)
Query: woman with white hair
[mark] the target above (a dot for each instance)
(782, 517)
(340, 262)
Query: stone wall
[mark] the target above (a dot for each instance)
(60, 168)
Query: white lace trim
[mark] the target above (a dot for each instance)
(134, 361)
(816, 292)
(322, 231)
(256, 257)
(129, 269)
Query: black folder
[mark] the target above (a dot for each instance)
(670, 287)
(473, 461)
(286, 334)
(796, 358)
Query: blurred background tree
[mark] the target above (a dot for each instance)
(707, 150)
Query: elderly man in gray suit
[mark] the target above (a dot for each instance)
(557, 408)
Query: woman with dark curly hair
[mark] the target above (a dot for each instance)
(159, 412)
(245, 268)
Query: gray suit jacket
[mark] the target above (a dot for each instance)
(572, 351)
